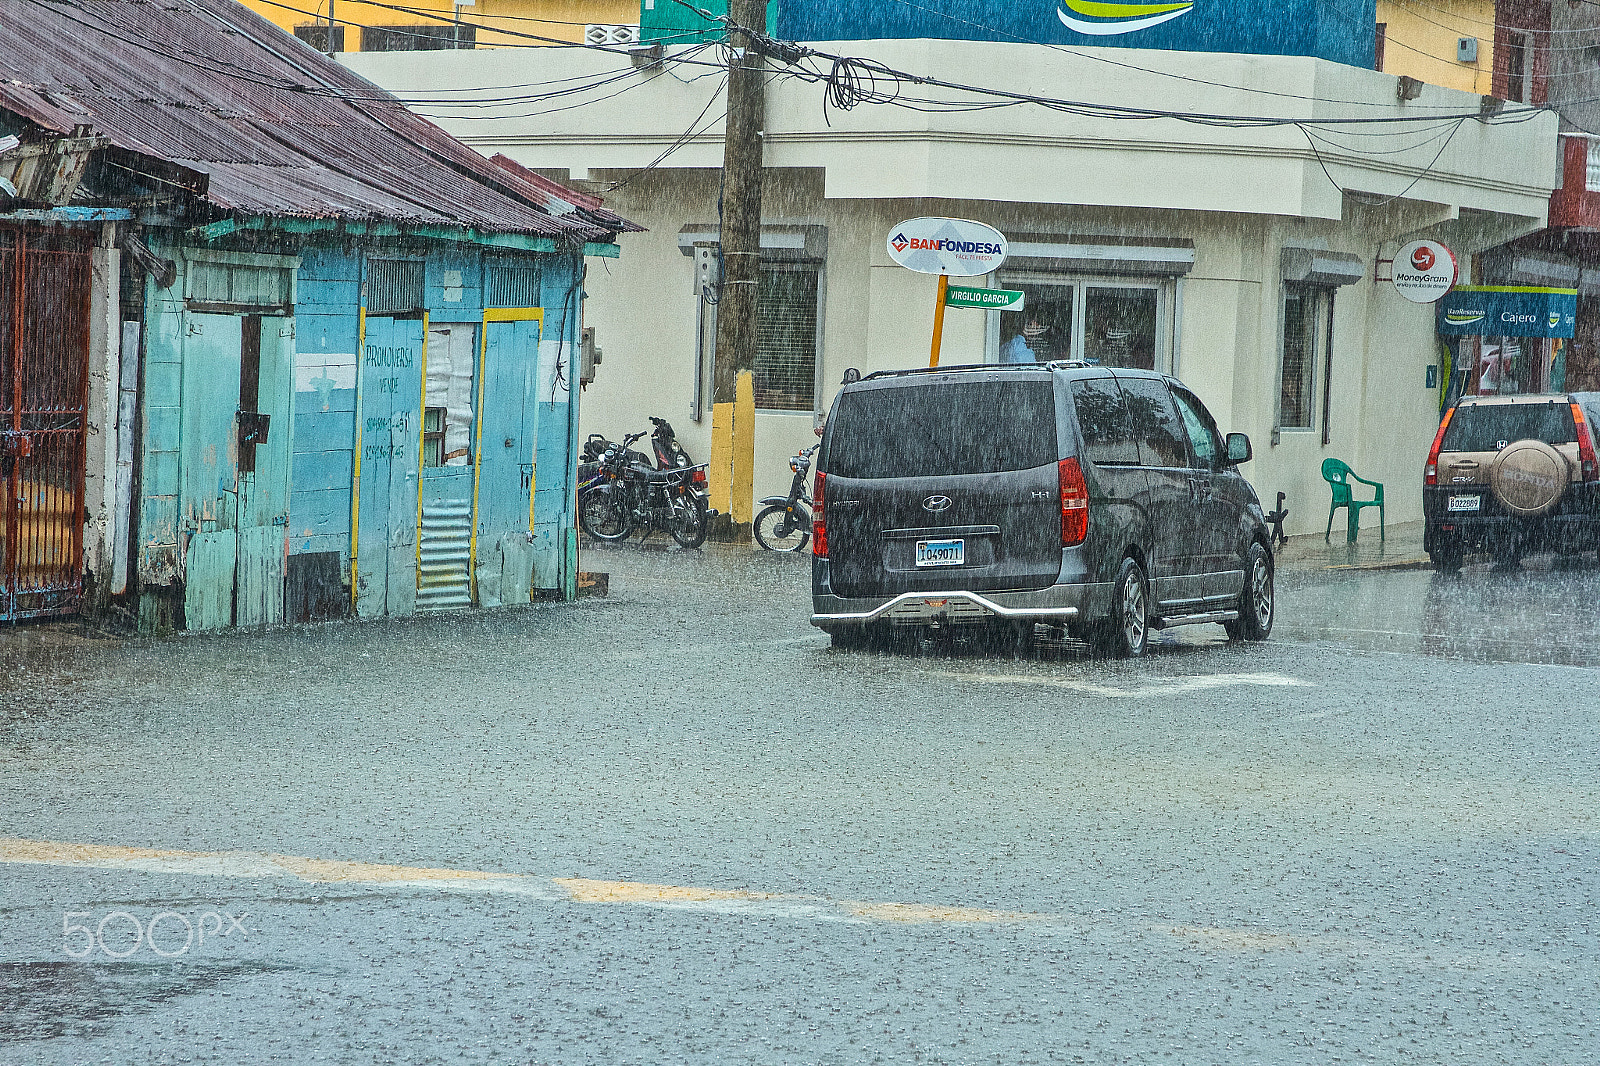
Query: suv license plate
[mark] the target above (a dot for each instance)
(941, 552)
(1465, 503)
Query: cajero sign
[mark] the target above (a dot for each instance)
(955, 247)
(1424, 271)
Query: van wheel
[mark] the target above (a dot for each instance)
(1256, 602)
(1126, 634)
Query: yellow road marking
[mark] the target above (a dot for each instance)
(247, 864)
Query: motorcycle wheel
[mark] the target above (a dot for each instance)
(604, 514)
(779, 531)
(689, 521)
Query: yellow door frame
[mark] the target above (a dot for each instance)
(495, 314)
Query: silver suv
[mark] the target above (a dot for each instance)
(1512, 474)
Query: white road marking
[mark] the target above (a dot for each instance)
(1178, 686)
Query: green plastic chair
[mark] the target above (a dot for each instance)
(1338, 475)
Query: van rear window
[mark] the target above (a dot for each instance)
(967, 427)
(1487, 427)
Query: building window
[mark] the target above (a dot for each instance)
(1516, 67)
(1377, 45)
(786, 337)
(1106, 322)
(322, 38)
(1591, 177)
(417, 38)
(394, 286)
(512, 283)
(433, 424)
(1307, 341)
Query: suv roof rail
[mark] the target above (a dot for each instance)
(961, 368)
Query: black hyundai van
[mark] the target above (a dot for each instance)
(1102, 502)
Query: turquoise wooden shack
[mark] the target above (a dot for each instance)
(355, 337)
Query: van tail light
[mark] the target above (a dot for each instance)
(819, 525)
(1074, 503)
(1430, 473)
(1586, 457)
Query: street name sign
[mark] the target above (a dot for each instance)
(986, 299)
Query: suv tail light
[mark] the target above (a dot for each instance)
(1430, 473)
(1586, 458)
(819, 525)
(1074, 503)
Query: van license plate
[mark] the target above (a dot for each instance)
(1465, 503)
(941, 552)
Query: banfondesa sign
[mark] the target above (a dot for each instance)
(1102, 20)
(958, 247)
(1424, 271)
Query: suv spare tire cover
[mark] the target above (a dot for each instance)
(1528, 477)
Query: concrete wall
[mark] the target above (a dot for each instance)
(1421, 42)
(556, 20)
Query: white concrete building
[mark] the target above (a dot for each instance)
(1240, 257)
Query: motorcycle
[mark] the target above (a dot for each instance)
(623, 495)
(669, 455)
(784, 525)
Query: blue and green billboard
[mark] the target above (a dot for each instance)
(1337, 30)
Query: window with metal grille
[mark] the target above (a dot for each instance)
(1307, 344)
(417, 38)
(226, 287)
(394, 286)
(786, 337)
(513, 283)
(322, 38)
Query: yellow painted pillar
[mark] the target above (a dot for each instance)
(742, 505)
(719, 476)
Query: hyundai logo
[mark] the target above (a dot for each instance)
(937, 504)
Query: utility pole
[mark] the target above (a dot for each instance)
(732, 399)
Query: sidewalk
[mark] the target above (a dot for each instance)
(1400, 550)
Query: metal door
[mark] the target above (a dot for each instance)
(388, 412)
(235, 434)
(507, 429)
(44, 391)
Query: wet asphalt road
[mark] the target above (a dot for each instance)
(1372, 839)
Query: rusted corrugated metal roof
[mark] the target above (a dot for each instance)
(267, 125)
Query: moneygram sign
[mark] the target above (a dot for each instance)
(1424, 271)
(954, 246)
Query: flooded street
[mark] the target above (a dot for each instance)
(674, 825)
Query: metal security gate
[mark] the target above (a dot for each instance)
(44, 393)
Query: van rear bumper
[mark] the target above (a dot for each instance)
(1058, 603)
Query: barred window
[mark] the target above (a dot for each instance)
(786, 337)
(322, 38)
(417, 38)
(1307, 334)
(394, 286)
(512, 283)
